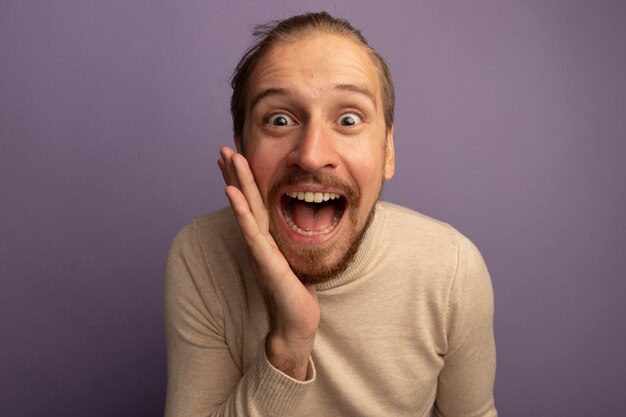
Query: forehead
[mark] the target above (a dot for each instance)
(316, 62)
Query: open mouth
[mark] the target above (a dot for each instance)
(313, 213)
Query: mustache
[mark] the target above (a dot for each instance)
(297, 177)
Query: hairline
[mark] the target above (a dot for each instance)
(271, 34)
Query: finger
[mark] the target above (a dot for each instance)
(250, 190)
(226, 166)
(228, 171)
(260, 247)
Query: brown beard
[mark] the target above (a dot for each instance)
(312, 268)
(312, 258)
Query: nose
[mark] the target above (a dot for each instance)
(315, 149)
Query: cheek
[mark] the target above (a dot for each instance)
(367, 174)
(259, 168)
(364, 165)
(264, 167)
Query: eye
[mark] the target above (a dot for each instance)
(349, 119)
(280, 119)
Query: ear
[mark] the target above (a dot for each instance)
(390, 157)
(238, 143)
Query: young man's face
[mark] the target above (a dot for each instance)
(317, 144)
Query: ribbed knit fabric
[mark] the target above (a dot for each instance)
(406, 330)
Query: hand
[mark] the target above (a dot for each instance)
(293, 307)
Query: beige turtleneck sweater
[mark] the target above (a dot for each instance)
(406, 330)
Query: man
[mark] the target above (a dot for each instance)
(309, 297)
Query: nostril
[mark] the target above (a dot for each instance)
(313, 158)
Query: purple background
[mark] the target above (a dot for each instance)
(511, 125)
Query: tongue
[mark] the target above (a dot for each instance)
(313, 217)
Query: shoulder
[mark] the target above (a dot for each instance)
(210, 251)
(400, 216)
(421, 231)
(212, 243)
(426, 242)
(208, 233)
(220, 221)
(439, 247)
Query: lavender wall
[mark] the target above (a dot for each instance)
(511, 125)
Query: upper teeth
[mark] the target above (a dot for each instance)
(311, 197)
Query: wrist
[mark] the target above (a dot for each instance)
(289, 356)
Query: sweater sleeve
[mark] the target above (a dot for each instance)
(465, 385)
(204, 379)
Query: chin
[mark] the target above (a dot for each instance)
(315, 264)
(318, 224)
(313, 270)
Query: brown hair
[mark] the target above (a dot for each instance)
(291, 29)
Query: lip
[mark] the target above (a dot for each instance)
(315, 239)
(314, 188)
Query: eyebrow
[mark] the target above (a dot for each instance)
(352, 88)
(268, 92)
(279, 91)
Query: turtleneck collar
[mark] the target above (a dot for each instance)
(364, 254)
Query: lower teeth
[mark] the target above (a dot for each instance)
(309, 232)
